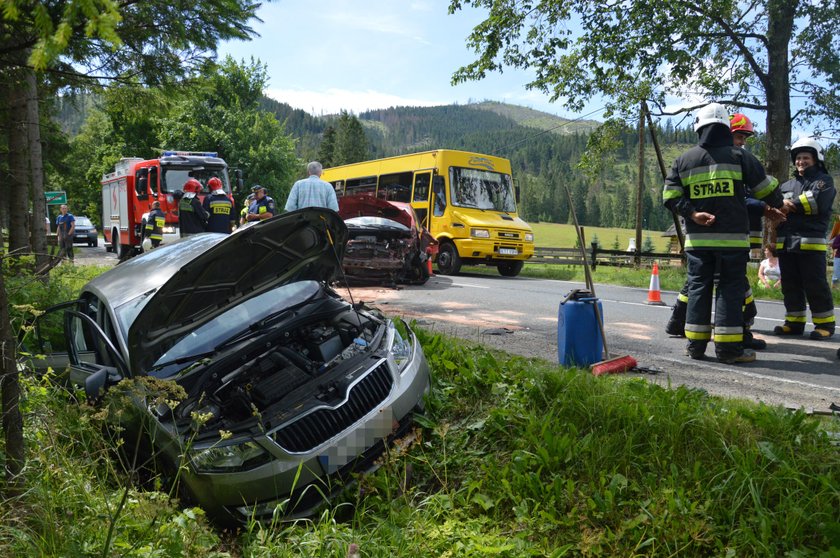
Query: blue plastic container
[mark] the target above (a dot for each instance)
(579, 340)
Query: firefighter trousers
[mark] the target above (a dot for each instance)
(728, 297)
(678, 311)
(804, 279)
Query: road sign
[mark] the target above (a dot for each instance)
(56, 198)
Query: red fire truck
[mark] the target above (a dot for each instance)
(128, 193)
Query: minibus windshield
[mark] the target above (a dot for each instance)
(482, 189)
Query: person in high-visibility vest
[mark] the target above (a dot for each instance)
(154, 224)
(801, 243)
(219, 207)
(742, 128)
(708, 186)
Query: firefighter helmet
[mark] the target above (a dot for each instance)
(741, 123)
(807, 144)
(192, 185)
(214, 184)
(713, 113)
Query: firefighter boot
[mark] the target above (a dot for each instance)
(676, 323)
(789, 329)
(751, 342)
(696, 350)
(748, 355)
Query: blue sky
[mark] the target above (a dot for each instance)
(327, 55)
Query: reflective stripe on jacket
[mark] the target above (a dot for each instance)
(716, 179)
(806, 228)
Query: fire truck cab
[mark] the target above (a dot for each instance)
(129, 191)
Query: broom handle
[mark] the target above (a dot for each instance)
(586, 272)
(598, 316)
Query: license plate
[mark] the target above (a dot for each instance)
(508, 251)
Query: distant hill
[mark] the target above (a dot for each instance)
(531, 118)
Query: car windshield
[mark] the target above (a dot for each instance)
(233, 322)
(83, 221)
(482, 189)
(375, 223)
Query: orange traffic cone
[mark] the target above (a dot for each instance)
(654, 295)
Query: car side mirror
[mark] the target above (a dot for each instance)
(516, 194)
(98, 383)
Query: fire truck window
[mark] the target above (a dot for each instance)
(153, 180)
(141, 184)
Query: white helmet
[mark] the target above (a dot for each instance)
(809, 144)
(713, 113)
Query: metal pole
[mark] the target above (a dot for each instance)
(655, 141)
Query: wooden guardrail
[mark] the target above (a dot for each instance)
(599, 256)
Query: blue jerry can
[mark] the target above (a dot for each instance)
(579, 341)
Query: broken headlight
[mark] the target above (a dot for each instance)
(400, 348)
(228, 459)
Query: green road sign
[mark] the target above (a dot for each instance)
(56, 198)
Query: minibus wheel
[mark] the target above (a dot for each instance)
(448, 260)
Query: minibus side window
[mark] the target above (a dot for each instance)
(439, 188)
(358, 186)
(422, 182)
(395, 187)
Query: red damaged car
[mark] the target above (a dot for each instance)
(386, 241)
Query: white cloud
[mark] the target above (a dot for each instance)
(332, 101)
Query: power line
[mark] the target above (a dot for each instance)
(538, 134)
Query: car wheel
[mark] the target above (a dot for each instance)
(95, 242)
(448, 260)
(510, 269)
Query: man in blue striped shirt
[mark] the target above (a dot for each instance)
(312, 191)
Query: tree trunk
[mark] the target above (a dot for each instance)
(777, 87)
(10, 386)
(18, 170)
(4, 159)
(36, 166)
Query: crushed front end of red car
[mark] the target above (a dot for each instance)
(386, 242)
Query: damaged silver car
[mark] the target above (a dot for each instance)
(297, 388)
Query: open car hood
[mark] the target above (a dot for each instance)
(307, 244)
(369, 206)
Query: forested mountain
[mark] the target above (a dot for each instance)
(546, 152)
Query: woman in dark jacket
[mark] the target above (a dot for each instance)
(801, 242)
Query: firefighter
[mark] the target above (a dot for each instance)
(708, 186)
(262, 207)
(742, 128)
(220, 208)
(192, 218)
(801, 243)
(154, 224)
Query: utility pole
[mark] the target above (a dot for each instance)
(652, 128)
(641, 188)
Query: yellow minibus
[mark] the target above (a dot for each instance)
(467, 201)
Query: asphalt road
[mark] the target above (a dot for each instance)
(519, 315)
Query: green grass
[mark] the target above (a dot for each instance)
(564, 236)
(513, 458)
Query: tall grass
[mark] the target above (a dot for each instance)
(513, 457)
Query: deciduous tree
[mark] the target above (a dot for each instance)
(756, 55)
